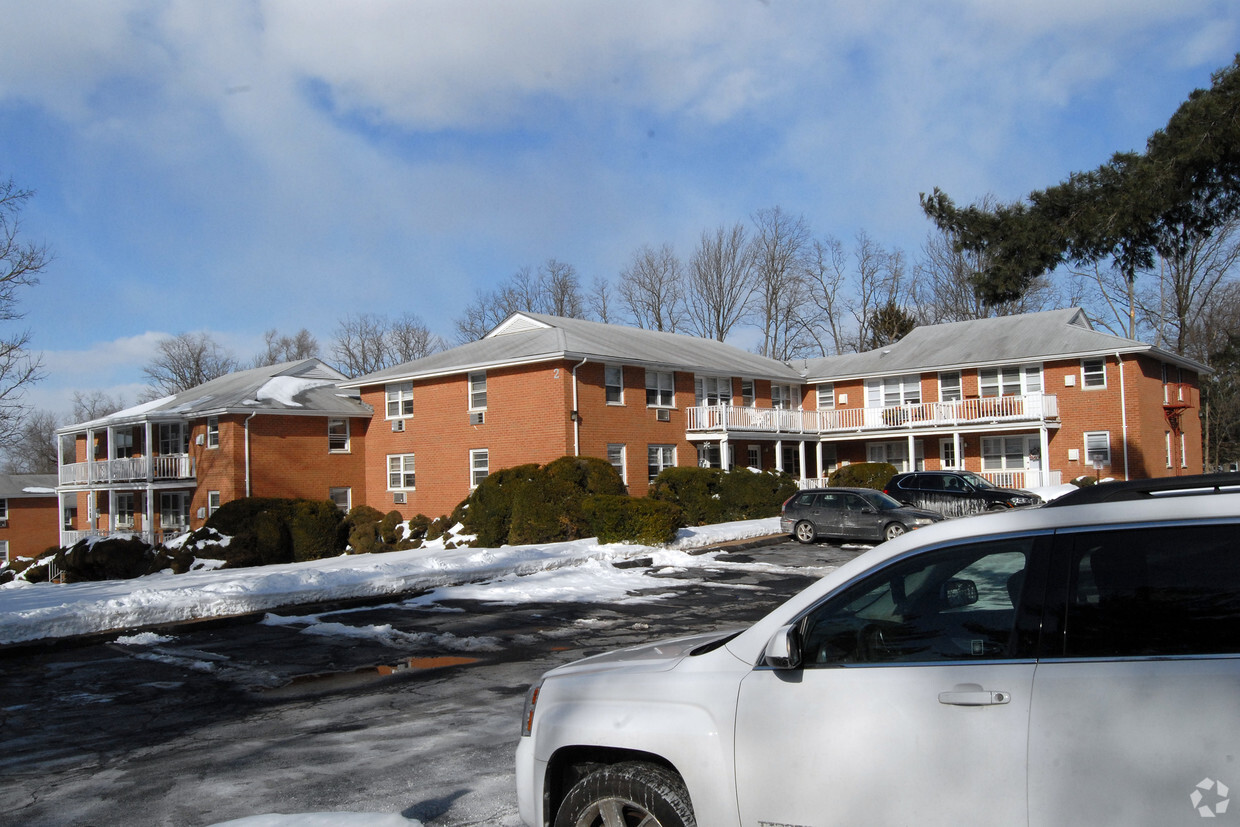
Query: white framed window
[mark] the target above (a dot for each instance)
(613, 383)
(4, 551)
(1167, 441)
(949, 386)
(478, 390)
(173, 510)
(213, 432)
(784, 396)
(659, 457)
(213, 502)
(712, 390)
(338, 436)
(615, 456)
(399, 399)
(1094, 372)
(124, 510)
(4, 509)
(479, 466)
(893, 391)
(896, 453)
(1183, 451)
(947, 453)
(70, 518)
(122, 444)
(342, 497)
(660, 389)
(826, 396)
(747, 393)
(173, 439)
(1010, 381)
(753, 454)
(1007, 453)
(1098, 447)
(401, 472)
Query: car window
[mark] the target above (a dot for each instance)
(805, 499)
(1154, 592)
(855, 502)
(829, 500)
(946, 605)
(932, 482)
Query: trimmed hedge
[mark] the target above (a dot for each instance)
(711, 495)
(619, 518)
(863, 475)
(274, 530)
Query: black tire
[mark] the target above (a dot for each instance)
(804, 532)
(893, 530)
(630, 794)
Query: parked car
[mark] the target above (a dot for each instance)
(956, 493)
(849, 514)
(1046, 666)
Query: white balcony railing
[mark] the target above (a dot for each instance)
(129, 469)
(69, 538)
(730, 418)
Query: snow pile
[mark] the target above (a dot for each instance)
(37, 611)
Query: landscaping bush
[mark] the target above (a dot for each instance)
(863, 475)
(389, 528)
(746, 495)
(112, 558)
(314, 527)
(694, 490)
(618, 518)
(419, 525)
(487, 512)
(546, 509)
(267, 541)
(589, 475)
(317, 530)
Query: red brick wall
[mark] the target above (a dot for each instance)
(33, 526)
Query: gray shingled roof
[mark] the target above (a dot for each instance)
(24, 486)
(308, 386)
(535, 337)
(1031, 337)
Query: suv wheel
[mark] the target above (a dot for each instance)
(804, 532)
(627, 794)
(893, 531)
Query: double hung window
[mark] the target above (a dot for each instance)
(660, 389)
(613, 382)
(399, 397)
(401, 472)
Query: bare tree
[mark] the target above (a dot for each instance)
(21, 262)
(91, 405)
(878, 281)
(561, 290)
(185, 361)
(282, 348)
(780, 245)
(719, 283)
(34, 450)
(553, 289)
(409, 338)
(361, 345)
(601, 300)
(651, 289)
(1186, 288)
(827, 277)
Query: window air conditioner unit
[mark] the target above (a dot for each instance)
(477, 417)
(398, 426)
(399, 498)
(663, 415)
(202, 513)
(200, 439)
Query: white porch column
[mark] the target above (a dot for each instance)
(148, 450)
(912, 453)
(723, 454)
(801, 458)
(60, 516)
(779, 455)
(958, 449)
(821, 472)
(1045, 444)
(149, 525)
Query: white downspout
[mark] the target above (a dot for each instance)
(576, 412)
(248, 483)
(1123, 410)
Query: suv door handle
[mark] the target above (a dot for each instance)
(972, 694)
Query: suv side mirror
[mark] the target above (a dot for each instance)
(957, 593)
(783, 651)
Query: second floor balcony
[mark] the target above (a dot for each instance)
(128, 469)
(1030, 409)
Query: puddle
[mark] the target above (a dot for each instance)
(329, 681)
(426, 663)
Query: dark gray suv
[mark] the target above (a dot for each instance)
(850, 514)
(956, 493)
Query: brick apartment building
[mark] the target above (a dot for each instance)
(28, 515)
(162, 467)
(1025, 400)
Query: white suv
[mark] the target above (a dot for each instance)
(1072, 664)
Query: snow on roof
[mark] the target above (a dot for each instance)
(19, 486)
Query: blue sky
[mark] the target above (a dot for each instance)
(239, 166)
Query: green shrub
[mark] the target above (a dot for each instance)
(236, 516)
(439, 527)
(863, 475)
(695, 490)
(589, 475)
(112, 558)
(389, 528)
(316, 529)
(546, 509)
(618, 518)
(746, 495)
(487, 512)
(418, 526)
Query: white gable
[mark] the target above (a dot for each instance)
(517, 323)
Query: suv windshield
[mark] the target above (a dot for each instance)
(881, 501)
(976, 481)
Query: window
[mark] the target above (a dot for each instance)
(747, 393)
(615, 456)
(173, 511)
(1153, 592)
(897, 454)
(478, 391)
(479, 466)
(213, 502)
(712, 390)
(754, 456)
(826, 396)
(1167, 439)
(949, 386)
(124, 510)
(956, 604)
(122, 444)
(660, 390)
(400, 472)
(70, 517)
(342, 497)
(947, 453)
(784, 396)
(1094, 372)
(173, 439)
(4, 551)
(659, 457)
(613, 381)
(1010, 381)
(1183, 451)
(399, 396)
(892, 391)
(1004, 452)
(338, 436)
(4, 509)
(213, 432)
(1098, 448)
